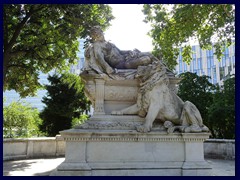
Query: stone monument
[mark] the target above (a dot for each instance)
(139, 126)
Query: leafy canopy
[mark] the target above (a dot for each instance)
(40, 37)
(216, 104)
(173, 26)
(198, 90)
(222, 111)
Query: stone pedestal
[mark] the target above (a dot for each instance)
(126, 152)
(108, 145)
(108, 95)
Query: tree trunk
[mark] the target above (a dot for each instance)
(6, 58)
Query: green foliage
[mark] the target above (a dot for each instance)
(222, 111)
(20, 120)
(198, 90)
(173, 26)
(65, 101)
(80, 120)
(40, 37)
(216, 105)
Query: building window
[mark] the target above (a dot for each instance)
(209, 62)
(214, 75)
(191, 66)
(194, 64)
(226, 51)
(233, 61)
(180, 57)
(229, 69)
(199, 63)
(209, 72)
(199, 72)
(180, 53)
(223, 61)
(194, 52)
(219, 64)
(185, 66)
(194, 48)
(207, 53)
(211, 52)
(212, 61)
(194, 55)
(200, 50)
(221, 72)
(180, 66)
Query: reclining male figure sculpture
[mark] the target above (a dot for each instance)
(155, 100)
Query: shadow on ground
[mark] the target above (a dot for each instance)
(17, 166)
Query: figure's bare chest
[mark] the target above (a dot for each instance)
(102, 46)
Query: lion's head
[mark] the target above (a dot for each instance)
(151, 71)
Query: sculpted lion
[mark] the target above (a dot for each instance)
(156, 101)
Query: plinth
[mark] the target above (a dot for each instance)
(114, 148)
(108, 145)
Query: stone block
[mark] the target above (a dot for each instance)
(130, 153)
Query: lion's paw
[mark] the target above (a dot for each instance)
(170, 130)
(116, 113)
(143, 129)
(205, 129)
(193, 129)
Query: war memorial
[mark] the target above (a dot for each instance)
(140, 127)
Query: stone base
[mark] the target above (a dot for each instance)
(103, 152)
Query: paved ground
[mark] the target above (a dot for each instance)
(43, 167)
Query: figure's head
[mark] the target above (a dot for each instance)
(96, 33)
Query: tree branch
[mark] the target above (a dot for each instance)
(20, 26)
(18, 65)
(5, 24)
(28, 49)
(17, 53)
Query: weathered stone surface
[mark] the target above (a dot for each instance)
(135, 83)
(115, 94)
(220, 148)
(17, 148)
(21, 148)
(128, 152)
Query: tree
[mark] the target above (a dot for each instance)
(173, 26)
(40, 37)
(216, 104)
(20, 120)
(65, 101)
(222, 111)
(199, 91)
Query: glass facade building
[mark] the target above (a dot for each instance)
(204, 62)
